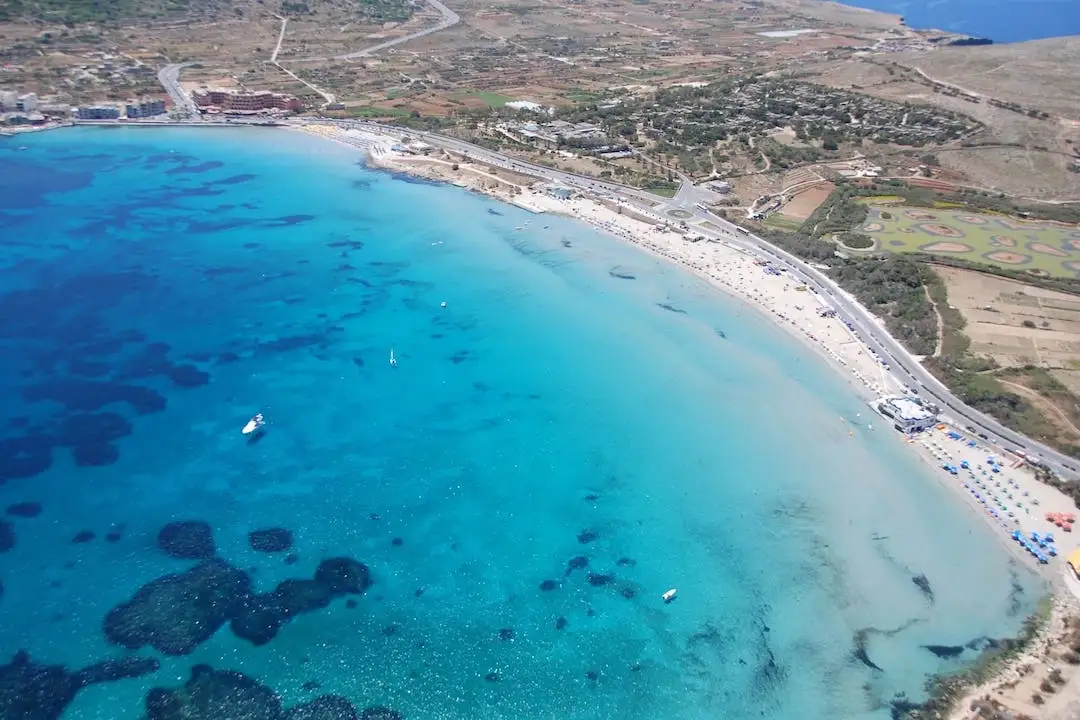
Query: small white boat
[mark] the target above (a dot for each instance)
(670, 595)
(442, 304)
(393, 360)
(253, 424)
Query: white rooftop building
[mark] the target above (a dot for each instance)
(907, 414)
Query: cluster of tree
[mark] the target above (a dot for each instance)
(855, 240)
(840, 212)
(786, 156)
(891, 286)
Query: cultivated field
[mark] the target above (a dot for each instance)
(1032, 334)
(1041, 247)
(1014, 323)
(807, 201)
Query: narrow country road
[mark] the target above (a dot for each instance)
(449, 19)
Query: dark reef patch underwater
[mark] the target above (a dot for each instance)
(483, 530)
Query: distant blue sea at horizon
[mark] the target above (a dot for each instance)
(580, 428)
(1003, 21)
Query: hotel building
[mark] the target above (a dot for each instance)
(232, 101)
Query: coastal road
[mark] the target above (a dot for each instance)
(871, 331)
(169, 77)
(868, 328)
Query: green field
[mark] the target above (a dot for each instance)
(494, 100)
(1042, 247)
(781, 222)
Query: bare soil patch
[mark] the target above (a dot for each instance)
(1013, 323)
(1007, 258)
(807, 201)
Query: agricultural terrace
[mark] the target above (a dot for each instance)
(1041, 247)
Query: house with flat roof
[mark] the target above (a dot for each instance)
(908, 414)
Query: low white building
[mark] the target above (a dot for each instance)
(908, 414)
(529, 105)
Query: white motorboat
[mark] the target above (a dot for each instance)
(670, 595)
(253, 424)
(393, 360)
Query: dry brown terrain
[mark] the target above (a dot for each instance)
(562, 52)
(1017, 153)
(807, 201)
(1006, 72)
(996, 310)
(1027, 331)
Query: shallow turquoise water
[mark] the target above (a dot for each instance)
(548, 403)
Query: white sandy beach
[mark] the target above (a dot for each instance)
(794, 308)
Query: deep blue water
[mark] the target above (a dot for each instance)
(555, 449)
(1003, 21)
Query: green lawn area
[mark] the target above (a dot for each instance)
(1007, 242)
(578, 95)
(780, 222)
(370, 111)
(664, 189)
(494, 100)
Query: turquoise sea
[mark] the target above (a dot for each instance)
(580, 428)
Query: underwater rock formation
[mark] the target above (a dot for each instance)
(576, 563)
(29, 691)
(228, 695)
(175, 613)
(380, 713)
(7, 536)
(24, 509)
(262, 616)
(187, 540)
(270, 540)
(327, 707)
(214, 695)
(945, 651)
(24, 457)
(860, 653)
(923, 584)
(587, 536)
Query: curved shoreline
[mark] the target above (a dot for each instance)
(732, 270)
